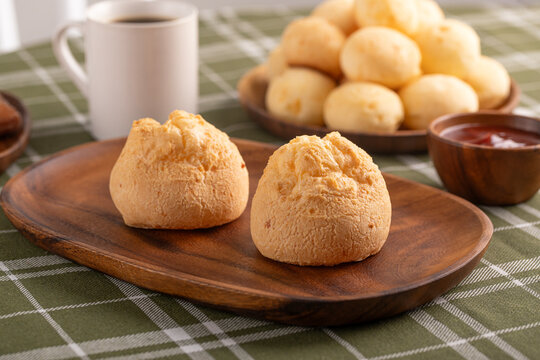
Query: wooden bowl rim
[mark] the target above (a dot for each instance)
(23, 133)
(480, 115)
(507, 106)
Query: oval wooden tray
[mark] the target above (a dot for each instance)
(252, 91)
(436, 239)
(12, 145)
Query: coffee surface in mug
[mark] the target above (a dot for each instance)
(142, 19)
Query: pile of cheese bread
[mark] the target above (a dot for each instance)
(378, 65)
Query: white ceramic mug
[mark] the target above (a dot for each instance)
(135, 69)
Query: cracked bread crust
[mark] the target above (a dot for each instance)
(185, 174)
(320, 202)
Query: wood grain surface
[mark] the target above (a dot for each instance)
(63, 205)
(252, 91)
(484, 174)
(12, 145)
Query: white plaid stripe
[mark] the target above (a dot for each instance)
(46, 273)
(481, 329)
(46, 78)
(456, 293)
(511, 18)
(18, 79)
(32, 262)
(32, 154)
(76, 306)
(56, 132)
(477, 275)
(512, 227)
(511, 278)
(154, 338)
(257, 336)
(158, 316)
(215, 329)
(286, 15)
(413, 163)
(454, 343)
(512, 267)
(216, 79)
(515, 61)
(523, 59)
(49, 99)
(416, 165)
(41, 53)
(54, 123)
(231, 129)
(249, 47)
(353, 350)
(513, 219)
(444, 333)
(530, 210)
(488, 289)
(8, 231)
(487, 20)
(220, 100)
(74, 347)
(266, 42)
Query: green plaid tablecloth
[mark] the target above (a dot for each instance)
(51, 308)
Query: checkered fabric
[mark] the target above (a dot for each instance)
(51, 308)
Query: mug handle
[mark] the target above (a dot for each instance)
(65, 56)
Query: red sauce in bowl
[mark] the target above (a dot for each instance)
(501, 137)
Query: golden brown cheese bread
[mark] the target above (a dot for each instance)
(429, 14)
(434, 95)
(449, 47)
(298, 94)
(320, 202)
(339, 13)
(381, 55)
(277, 63)
(185, 174)
(401, 15)
(491, 82)
(364, 107)
(313, 42)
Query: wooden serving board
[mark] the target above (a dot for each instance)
(63, 205)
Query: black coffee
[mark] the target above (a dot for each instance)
(142, 19)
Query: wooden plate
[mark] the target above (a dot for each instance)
(12, 145)
(252, 90)
(436, 239)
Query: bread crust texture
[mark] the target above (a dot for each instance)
(185, 174)
(320, 202)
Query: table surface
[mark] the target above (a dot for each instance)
(51, 308)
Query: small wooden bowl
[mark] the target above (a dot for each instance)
(252, 91)
(484, 174)
(12, 145)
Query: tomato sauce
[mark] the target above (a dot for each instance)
(502, 137)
